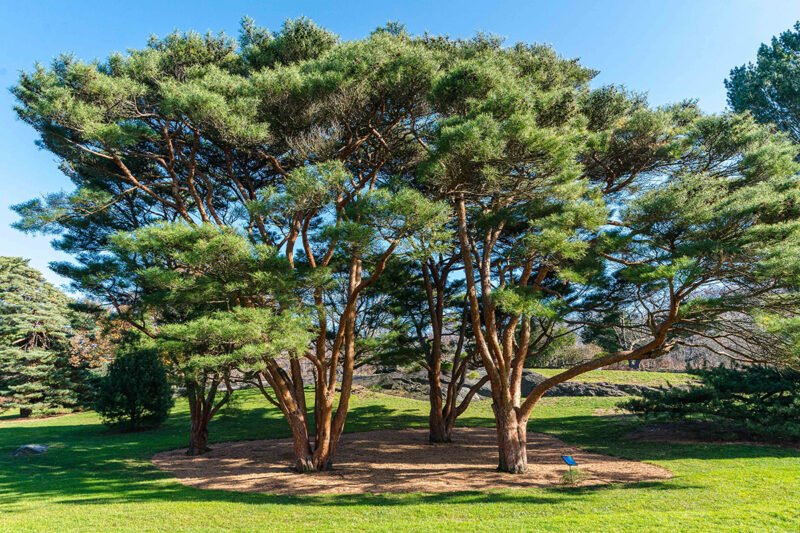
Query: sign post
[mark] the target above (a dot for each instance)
(571, 462)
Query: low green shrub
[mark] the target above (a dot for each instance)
(759, 401)
(135, 393)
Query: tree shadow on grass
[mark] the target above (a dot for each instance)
(88, 465)
(606, 435)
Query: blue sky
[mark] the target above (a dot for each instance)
(671, 49)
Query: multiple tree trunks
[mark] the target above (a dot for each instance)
(441, 427)
(316, 454)
(202, 409)
(443, 413)
(198, 439)
(146, 157)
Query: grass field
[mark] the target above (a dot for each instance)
(626, 376)
(93, 480)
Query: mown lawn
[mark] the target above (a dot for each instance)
(93, 480)
(627, 377)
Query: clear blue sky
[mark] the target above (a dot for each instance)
(671, 49)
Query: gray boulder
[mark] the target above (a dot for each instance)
(415, 384)
(531, 379)
(30, 449)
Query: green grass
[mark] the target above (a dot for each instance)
(93, 480)
(627, 377)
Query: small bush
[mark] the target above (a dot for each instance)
(135, 393)
(757, 401)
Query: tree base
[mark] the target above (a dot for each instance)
(439, 438)
(197, 451)
(307, 466)
(517, 468)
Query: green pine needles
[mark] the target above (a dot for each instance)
(244, 204)
(135, 393)
(754, 401)
(35, 369)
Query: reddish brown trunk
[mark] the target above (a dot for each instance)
(198, 438)
(303, 458)
(347, 366)
(436, 420)
(512, 435)
(201, 410)
(440, 430)
(314, 455)
(321, 458)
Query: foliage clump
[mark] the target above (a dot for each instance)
(758, 401)
(35, 369)
(135, 393)
(768, 88)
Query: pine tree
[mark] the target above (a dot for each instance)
(35, 371)
(219, 302)
(770, 87)
(759, 401)
(306, 141)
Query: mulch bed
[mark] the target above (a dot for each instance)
(397, 461)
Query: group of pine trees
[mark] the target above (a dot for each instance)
(289, 203)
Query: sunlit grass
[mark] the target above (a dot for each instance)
(91, 479)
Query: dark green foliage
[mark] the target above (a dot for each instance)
(35, 371)
(761, 401)
(38, 380)
(770, 87)
(135, 393)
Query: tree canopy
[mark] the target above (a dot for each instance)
(770, 87)
(239, 202)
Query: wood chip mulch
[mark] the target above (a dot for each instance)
(397, 461)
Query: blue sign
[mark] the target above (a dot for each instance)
(569, 460)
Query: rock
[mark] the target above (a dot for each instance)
(415, 384)
(531, 379)
(30, 449)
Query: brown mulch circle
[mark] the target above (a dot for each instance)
(397, 461)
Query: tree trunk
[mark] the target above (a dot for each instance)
(198, 438)
(25, 412)
(512, 436)
(321, 458)
(436, 420)
(303, 458)
(440, 430)
(337, 424)
(201, 410)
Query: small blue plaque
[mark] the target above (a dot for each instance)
(569, 460)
